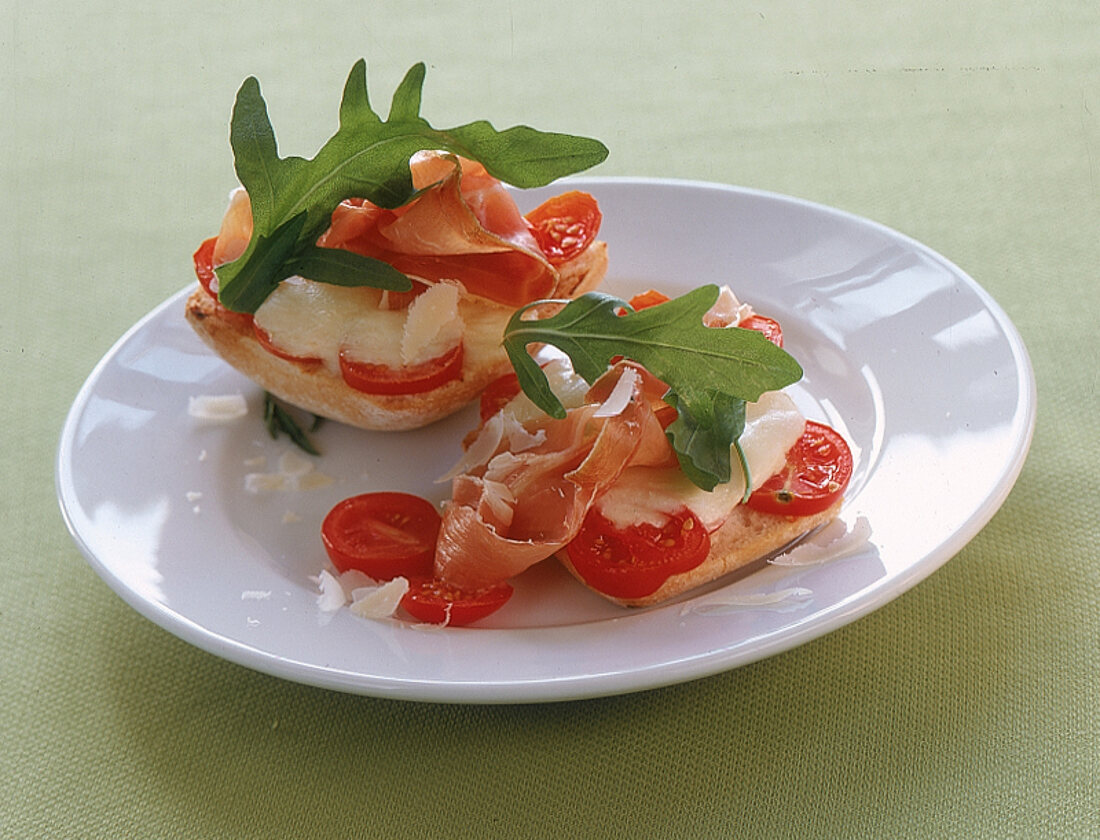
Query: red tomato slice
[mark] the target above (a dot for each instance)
(204, 265)
(414, 379)
(498, 394)
(204, 270)
(382, 535)
(771, 329)
(264, 338)
(818, 469)
(646, 299)
(634, 562)
(565, 225)
(432, 601)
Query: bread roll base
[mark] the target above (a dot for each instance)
(323, 392)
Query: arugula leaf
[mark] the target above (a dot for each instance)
(711, 373)
(277, 420)
(701, 436)
(368, 157)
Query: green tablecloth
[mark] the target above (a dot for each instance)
(968, 707)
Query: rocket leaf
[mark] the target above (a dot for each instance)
(710, 372)
(293, 198)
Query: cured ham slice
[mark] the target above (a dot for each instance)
(464, 227)
(517, 509)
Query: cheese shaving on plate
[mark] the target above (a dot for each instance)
(832, 542)
(294, 473)
(380, 601)
(793, 596)
(212, 408)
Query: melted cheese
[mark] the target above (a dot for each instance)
(652, 494)
(310, 319)
(319, 320)
(567, 385)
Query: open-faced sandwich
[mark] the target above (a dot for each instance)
(371, 283)
(657, 454)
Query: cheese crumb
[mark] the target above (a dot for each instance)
(213, 408)
(294, 473)
(379, 602)
(331, 596)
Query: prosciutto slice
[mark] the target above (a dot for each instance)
(520, 508)
(465, 227)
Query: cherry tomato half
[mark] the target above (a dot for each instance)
(382, 535)
(413, 379)
(204, 265)
(771, 329)
(818, 469)
(565, 225)
(635, 561)
(432, 601)
(644, 300)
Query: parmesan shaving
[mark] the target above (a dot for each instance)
(724, 604)
(432, 325)
(519, 439)
(620, 395)
(727, 311)
(833, 542)
(291, 463)
(211, 408)
(332, 595)
(379, 602)
(480, 451)
(294, 473)
(564, 382)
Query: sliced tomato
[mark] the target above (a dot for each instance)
(204, 270)
(432, 601)
(204, 265)
(412, 379)
(818, 469)
(770, 328)
(498, 394)
(565, 225)
(382, 535)
(646, 299)
(635, 561)
(265, 340)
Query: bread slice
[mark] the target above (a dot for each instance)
(745, 537)
(323, 392)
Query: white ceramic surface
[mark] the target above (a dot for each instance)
(903, 352)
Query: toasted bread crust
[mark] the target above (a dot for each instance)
(745, 537)
(321, 391)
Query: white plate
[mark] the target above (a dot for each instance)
(903, 352)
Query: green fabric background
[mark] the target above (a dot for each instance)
(968, 707)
